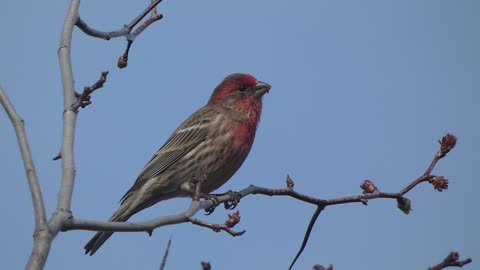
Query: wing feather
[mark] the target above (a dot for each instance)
(182, 141)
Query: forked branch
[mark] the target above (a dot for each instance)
(370, 191)
(451, 260)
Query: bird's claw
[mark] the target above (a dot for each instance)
(232, 204)
(229, 205)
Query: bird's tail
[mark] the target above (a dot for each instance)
(121, 215)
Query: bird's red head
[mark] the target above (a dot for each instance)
(239, 86)
(241, 96)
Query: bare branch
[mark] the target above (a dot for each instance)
(42, 235)
(230, 223)
(123, 60)
(369, 188)
(307, 235)
(82, 25)
(144, 13)
(69, 116)
(147, 226)
(165, 255)
(18, 124)
(451, 260)
(370, 191)
(195, 206)
(83, 99)
(127, 29)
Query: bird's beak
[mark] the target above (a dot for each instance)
(261, 88)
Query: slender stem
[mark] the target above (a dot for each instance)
(165, 255)
(69, 116)
(144, 13)
(18, 124)
(100, 34)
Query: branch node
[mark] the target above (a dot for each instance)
(206, 266)
(290, 182)
(321, 267)
(404, 204)
(364, 201)
(216, 227)
(368, 187)
(57, 157)
(233, 219)
(439, 183)
(83, 99)
(447, 143)
(451, 260)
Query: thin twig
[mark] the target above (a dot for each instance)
(307, 234)
(142, 15)
(18, 124)
(451, 260)
(123, 60)
(124, 31)
(446, 144)
(215, 227)
(83, 99)
(165, 255)
(82, 25)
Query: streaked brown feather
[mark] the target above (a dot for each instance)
(178, 145)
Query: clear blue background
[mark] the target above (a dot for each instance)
(360, 90)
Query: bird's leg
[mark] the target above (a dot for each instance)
(197, 183)
(198, 194)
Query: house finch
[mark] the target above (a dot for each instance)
(213, 142)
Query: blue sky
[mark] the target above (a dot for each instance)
(360, 90)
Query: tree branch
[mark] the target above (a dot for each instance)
(43, 238)
(126, 30)
(30, 171)
(123, 60)
(144, 13)
(165, 255)
(42, 235)
(370, 191)
(195, 206)
(230, 223)
(83, 99)
(82, 25)
(69, 115)
(451, 260)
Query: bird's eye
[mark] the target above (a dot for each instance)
(242, 88)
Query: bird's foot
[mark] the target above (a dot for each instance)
(233, 202)
(229, 205)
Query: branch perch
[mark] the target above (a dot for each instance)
(370, 192)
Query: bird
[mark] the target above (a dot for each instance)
(213, 142)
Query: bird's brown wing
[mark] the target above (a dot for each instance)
(187, 136)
